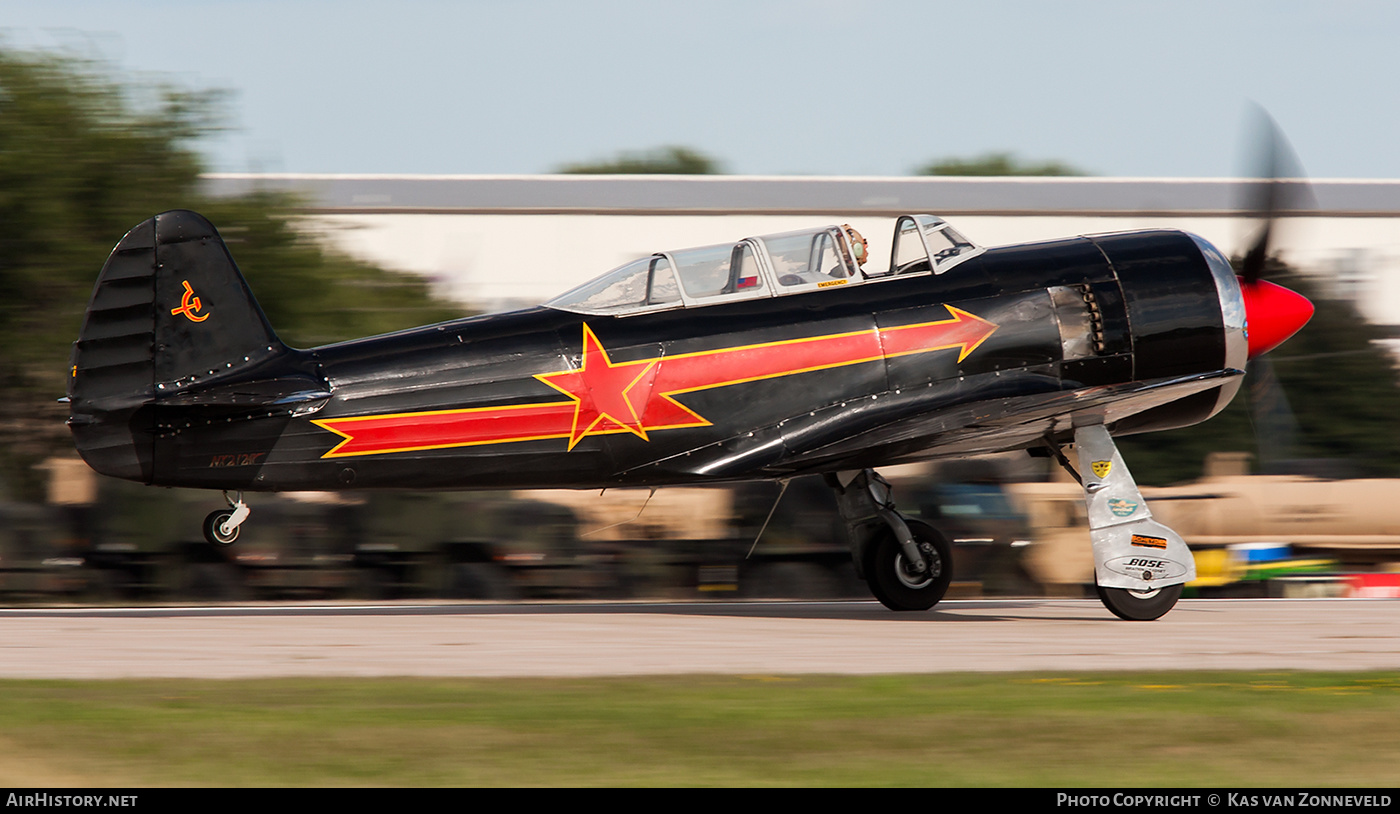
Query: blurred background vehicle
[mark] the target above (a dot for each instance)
(99, 539)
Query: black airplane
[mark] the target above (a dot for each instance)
(765, 358)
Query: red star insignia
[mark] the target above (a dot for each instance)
(603, 392)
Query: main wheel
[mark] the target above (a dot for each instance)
(214, 528)
(895, 582)
(1139, 606)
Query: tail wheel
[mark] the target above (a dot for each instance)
(896, 582)
(214, 528)
(1139, 606)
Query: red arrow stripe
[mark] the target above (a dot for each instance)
(964, 330)
(440, 429)
(673, 375)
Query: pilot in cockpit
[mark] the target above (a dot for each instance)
(859, 247)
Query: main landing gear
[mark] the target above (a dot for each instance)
(907, 564)
(221, 527)
(1140, 565)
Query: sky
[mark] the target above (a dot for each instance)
(766, 87)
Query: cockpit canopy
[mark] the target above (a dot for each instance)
(765, 266)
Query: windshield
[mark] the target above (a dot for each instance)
(924, 243)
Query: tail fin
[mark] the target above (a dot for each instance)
(169, 310)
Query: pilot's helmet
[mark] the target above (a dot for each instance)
(859, 247)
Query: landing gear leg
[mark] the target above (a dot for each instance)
(908, 565)
(221, 527)
(1139, 564)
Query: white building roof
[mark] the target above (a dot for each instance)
(503, 241)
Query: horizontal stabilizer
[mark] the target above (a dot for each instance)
(284, 393)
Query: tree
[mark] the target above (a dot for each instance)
(996, 164)
(83, 158)
(661, 161)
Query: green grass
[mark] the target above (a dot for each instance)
(1175, 729)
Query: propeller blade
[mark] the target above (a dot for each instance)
(1275, 426)
(1273, 313)
(1280, 188)
(1252, 269)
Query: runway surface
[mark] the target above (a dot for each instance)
(650, 639)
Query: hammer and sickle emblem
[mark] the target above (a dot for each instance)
(189, 305)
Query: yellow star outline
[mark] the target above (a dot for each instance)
(600, 390)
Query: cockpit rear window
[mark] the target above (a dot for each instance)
(803, 258)
(714, 271)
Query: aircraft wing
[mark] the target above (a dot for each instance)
(914, 426)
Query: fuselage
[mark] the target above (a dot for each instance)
(997, 353)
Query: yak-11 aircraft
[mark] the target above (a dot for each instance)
(766, 358)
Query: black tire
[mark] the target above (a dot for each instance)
(1139, 606)
(898, 588)
(212, 528)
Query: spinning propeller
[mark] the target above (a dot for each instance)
(1273, 313)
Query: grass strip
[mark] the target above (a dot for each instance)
(1060, 730)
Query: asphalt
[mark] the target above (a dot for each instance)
(496, 640)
